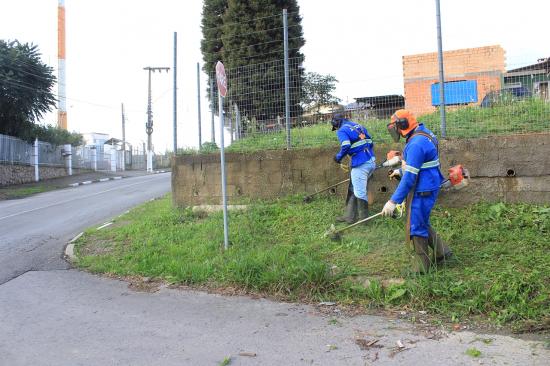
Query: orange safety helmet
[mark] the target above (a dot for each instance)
(402, 122)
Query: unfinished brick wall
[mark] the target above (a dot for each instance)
(484, 64)
(504, 168)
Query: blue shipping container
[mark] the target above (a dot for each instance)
(456, 92)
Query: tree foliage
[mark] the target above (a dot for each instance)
(318, 89)
(247, 36)
(25, 87)
(26, 95)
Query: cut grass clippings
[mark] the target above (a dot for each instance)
(501, 270)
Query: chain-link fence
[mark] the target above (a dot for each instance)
(15, 151)
(484, 95)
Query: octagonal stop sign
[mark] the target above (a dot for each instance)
(221, 79)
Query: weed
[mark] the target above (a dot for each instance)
(473, 352)
(226, 361)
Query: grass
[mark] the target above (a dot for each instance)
(22, 192)
(473, 352)
(530, 115)
(501, 272)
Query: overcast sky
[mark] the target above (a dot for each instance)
(360, 42)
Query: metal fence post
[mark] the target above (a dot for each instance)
(199, 103)
(441, 73)
(287, 91)
(212, 131)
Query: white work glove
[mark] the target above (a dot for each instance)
(388, 209)
(395, 174)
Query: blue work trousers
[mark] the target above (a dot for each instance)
(360, 176)
(421, 208)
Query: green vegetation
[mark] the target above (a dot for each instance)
(532, 115)
(501, 271)
(26, 93)
(22, 192)
(474, 352)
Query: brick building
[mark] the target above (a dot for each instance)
(469, 74)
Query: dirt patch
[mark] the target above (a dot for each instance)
(95, 247)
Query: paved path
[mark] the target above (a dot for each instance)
(34, 230)
(74, 318)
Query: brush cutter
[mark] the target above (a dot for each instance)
(335, 234)
(392, 161)
(308, 199)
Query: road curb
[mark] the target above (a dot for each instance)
(94, 181)
(69, 249)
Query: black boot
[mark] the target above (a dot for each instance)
(350, 214)
(362, 209)
(422, 260)
(441, 250)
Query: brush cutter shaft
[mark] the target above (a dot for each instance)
(329, 187)
(357, 223)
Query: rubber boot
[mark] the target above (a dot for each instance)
(350, 214)
(441, 250)
(362, 209)
(422, 260)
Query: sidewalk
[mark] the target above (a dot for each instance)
(25, 190)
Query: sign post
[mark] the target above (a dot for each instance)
(221, 80)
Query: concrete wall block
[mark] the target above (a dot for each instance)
(488, 159)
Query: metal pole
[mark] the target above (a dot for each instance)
(149, 127)
(441, 73)
(199, 103)
(175, 92)
(224, 188)
(123, 138)
(287, 92)
(213, 132)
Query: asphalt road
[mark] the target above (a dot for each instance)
(34, 230)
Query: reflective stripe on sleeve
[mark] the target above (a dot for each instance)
(430, 164)
(411, 169)
(346, 142)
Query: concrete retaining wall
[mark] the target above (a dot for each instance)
(505, 168)
(18, 174)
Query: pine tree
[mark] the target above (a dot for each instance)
(252, 51)
(211, 44)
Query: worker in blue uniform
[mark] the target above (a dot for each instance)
(356, 142)
(420, 181)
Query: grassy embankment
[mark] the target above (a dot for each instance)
(531, 115)
(501, 272)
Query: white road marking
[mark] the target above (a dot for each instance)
(104, 225)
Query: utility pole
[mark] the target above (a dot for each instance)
(149, 124)
(123, 138)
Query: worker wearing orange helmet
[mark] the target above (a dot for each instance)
(419, 184)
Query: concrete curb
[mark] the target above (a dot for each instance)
(94, 181)
(69, 249)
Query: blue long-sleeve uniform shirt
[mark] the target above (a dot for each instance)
(421, 157)
(356, 142)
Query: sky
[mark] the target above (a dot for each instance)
(360, 42)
